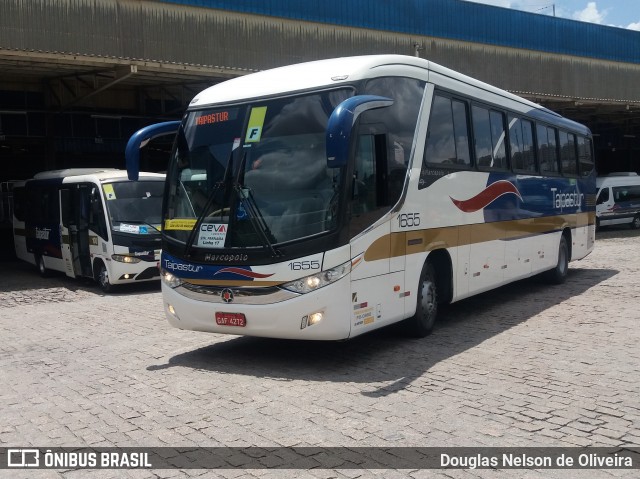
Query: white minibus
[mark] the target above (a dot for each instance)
(92, 223)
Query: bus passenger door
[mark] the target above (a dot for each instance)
(66, 210)
(83, 208)
(376, 267)
(75, 206)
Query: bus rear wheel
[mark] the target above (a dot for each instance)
(558, 274)
(421, 324)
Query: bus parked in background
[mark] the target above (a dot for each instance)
(339, 196)
(91, 223)
(618, 200)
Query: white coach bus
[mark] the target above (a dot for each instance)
(92, 223)
(339, 196)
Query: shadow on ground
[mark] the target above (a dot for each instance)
(386, 355)
(20, 276)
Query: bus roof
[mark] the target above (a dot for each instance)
(101, 174)
(343, 71)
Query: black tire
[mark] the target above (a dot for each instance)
(635, 224)
(42, 269)
(558, 274)
(421, 324)
(597, 224)
(102, 277)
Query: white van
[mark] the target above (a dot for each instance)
(618, 199)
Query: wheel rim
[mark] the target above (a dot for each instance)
(104, 277)
(636, 222)
(428, 300)
(41, 265)
(562, 260)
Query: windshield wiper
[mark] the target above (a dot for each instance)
(225, 182)
(256, 218)
(255, 215)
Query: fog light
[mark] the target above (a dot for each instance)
(127, 276)
(315, 318)
(171, 310)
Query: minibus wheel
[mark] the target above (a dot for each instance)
(422, 323)
(102, 277)
(42, 269)
(635, 224)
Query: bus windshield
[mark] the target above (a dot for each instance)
(254, 175)
(134, 206)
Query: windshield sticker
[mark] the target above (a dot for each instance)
(125, 228)
(256, 122)
(182, 224)
(108, 190)
(212, 235)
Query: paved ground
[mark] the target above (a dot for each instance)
(526, 365)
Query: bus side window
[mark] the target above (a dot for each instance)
(568, 157)
(371, 185)
(547, 152)
(19, 198)
(489, 137)
(447, 137)
(364, 192)
(97, 221)
(65, 207)
(585, 158)
(522, 146)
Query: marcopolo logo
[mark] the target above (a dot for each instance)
(187, 268)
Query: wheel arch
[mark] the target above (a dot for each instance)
(443, 266)
(566, 232)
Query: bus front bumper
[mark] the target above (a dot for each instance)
(289, 319)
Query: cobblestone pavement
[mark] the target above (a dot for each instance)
(526, 365)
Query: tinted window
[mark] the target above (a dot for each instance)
(18, 203)
(489, 136)
(626, 193)
(547, 152)
(447, 138)
(522, 147)
(585, 158)
(568, 153)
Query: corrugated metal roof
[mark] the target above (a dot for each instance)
(454, 19)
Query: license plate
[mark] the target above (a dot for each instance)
(231, 319)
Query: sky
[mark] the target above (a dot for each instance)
(614, 13)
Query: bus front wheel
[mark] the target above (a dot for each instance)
(102, 276)
(422, 323)
(42, 268)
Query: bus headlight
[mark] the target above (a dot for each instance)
(123, 258)
(170, 279)
(318, 280)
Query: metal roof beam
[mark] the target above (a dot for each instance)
(120, 73)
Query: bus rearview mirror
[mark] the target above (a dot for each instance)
(341, 123)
